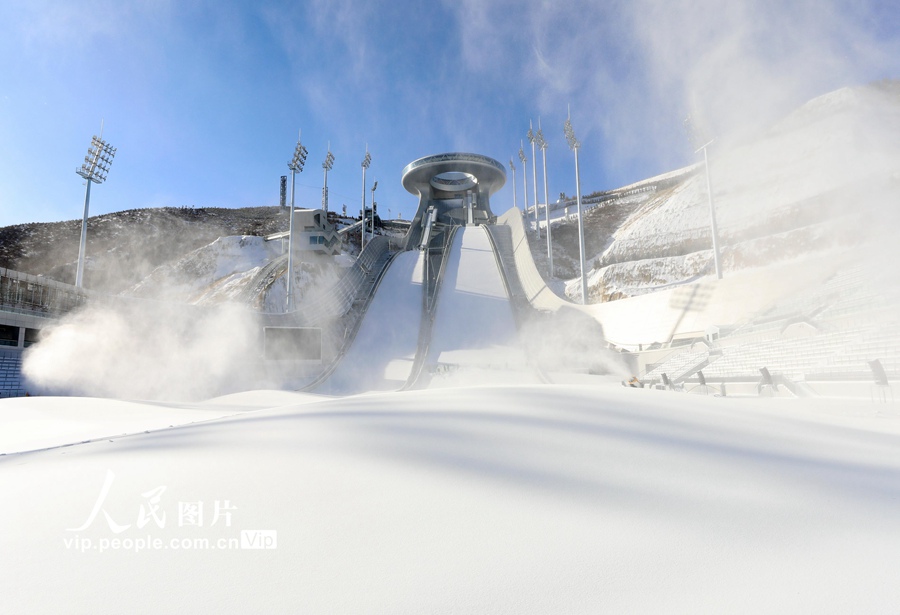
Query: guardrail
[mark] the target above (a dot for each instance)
(34, 295)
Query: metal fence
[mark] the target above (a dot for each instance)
(35, 295)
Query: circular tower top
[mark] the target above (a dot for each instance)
(453, 172)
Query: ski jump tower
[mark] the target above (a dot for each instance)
(454, 189)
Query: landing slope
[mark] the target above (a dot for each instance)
(382, 354)
(474, 324)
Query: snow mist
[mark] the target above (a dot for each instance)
(146, 350)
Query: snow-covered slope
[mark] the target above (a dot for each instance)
(226, 271)
(812, 183)
(218, 271)
(125, 246)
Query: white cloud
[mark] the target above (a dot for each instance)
(632, 69)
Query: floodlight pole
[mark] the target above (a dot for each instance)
(94, 170)
(539, 139)
(365, 165)
(296, 166)
(533, 138)
(524, 176)
(513, 169)
(575, 145)
(712, 213)
(327, 165)
(374, 186)
(82, 246)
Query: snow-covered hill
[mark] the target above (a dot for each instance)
(814, 182)
(124, 247)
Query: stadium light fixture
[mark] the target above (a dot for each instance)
(94, 171)
(512, 168)
(362, 214)
(327, 165)
(541, 143)
(295, 166)
(574, 145)
(524, 177)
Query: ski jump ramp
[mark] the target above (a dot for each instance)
(440, 312)
(381, 355)
(474, 330)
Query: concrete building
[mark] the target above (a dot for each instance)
(28, 303)
(312, 233)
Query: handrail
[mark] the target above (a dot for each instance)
(351, 335)
(18, 292)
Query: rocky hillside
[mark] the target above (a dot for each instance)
(125, 247)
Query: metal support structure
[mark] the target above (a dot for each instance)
(296, 166)
(429, 222)
(575, 145)
(362, 214)
(512, 167)
(524, 176)
(94, 170)
(327, 165)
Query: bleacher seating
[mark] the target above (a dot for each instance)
(11, 384)
(852, 322)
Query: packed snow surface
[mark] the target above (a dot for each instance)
(382, 353)
(474, 325)
(517, 499)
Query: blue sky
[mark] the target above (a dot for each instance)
(204, 99)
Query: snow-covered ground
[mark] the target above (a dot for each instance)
(578, 497)
(517, 499)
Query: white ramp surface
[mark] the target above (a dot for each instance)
(474, 326)
(381, 356)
